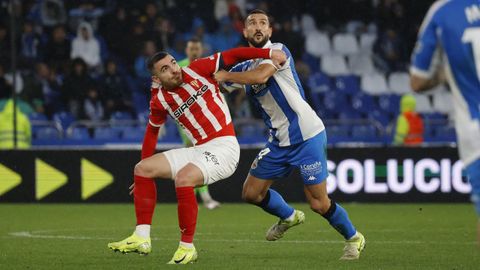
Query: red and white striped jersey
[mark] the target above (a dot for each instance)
(196, 105)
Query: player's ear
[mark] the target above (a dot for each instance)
(155, 79)
(245, 32)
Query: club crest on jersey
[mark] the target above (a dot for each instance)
(195, 83)
(257, 88)
(190, 101)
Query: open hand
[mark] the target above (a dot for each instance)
(131, 188)
(278, 58)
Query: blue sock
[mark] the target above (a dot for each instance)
(274, 204)
(338, 218)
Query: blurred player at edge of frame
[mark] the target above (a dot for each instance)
(452, 29)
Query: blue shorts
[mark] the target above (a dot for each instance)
(310, 157)
(473, 173)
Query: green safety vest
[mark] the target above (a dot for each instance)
(24, 134)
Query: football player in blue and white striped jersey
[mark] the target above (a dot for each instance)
(297, 139)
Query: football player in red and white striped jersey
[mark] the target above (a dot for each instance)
(191, 96)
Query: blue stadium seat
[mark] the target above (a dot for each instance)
(364, 133)
(349, 113)
(363, 102)
(348, 84)
(335, 101)
(317, 99)
(312, 62)
(171, 133)
(252, 133)
(337, 133)
(105, 133)
(46, 133)
(380, 116)
(80, 133)
(389, 103)
(122, 116)
(319, 82)
(445, 133)
(140, 101)
(134, 133)
(65, 119)
(37, 117)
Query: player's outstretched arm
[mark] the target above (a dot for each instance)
(237, 55)
(258, 75)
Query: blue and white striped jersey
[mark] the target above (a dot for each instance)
(281, 101)
(451, 32)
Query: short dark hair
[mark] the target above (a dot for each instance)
(155, 58)
(258, 11)
(195, 40)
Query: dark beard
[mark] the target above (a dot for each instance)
(258, 44)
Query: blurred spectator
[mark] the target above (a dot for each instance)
(5, 87)
(236, 17)
(86, 46)
(113, 30)
(52, 12)
(225, 38)
(193, 50)
(30, 43)
(76, 85)
(136, 43)
(293, 40)
(4, 46)
(115, 92)
(409, 129)
(92, 105)
(164, 34)
(141, 70)
(43, 90)
(149, 18)
(57, 50)
(199, 32)
(86, 11)
(389, 51)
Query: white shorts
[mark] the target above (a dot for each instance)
(217, 159)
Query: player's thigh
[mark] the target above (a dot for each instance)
(255, 189)
(190, 175)
(217, 159)
(311, 159)
(271, 163)
(156, 166)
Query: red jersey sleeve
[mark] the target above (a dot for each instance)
(158, 114)
(224, 60)
(157, 117)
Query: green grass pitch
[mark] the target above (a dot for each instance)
(399, 236)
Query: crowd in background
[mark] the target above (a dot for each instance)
(88, 57)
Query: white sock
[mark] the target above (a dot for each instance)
(291, 217)
(185, 244)
(205, 195)
(143, 230)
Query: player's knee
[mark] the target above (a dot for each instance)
(184, 179)
(320, 206)
(251, 197)
(141, 169)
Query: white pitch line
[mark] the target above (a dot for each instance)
(26, 234)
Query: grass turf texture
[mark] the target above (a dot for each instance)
(399, 236)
